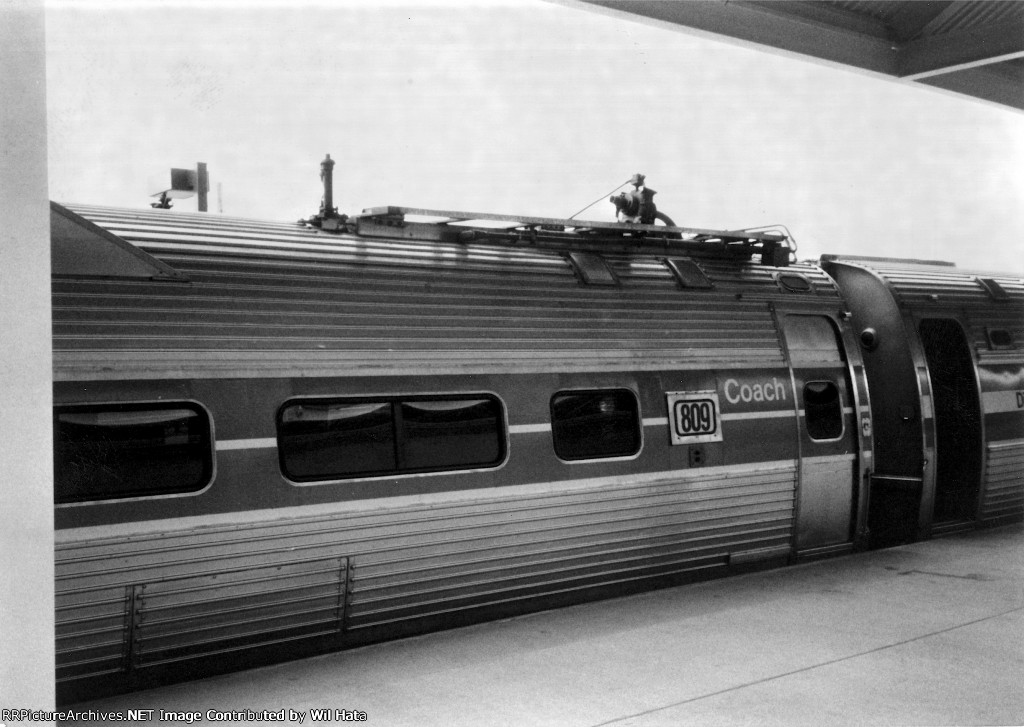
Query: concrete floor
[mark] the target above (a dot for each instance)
(926, 634)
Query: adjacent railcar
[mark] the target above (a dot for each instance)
(277, 440)
(943, 352)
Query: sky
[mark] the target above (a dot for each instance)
(528, 108)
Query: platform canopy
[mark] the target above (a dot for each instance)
(971, 47)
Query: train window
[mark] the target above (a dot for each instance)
(823, 410)
(450, 433)
(336, 439)
(999, 338)
(595, 424)
(106, 452)
(345, 438)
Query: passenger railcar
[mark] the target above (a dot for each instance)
(942, 351)
(276, 440)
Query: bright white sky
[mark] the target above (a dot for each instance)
(520, 107)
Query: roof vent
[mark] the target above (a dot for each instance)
(994, 289)
(688, 274)
(592, 269)
(793, 283)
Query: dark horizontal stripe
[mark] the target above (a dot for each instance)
(1006, 425)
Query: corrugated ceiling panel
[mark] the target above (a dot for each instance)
(967, 16)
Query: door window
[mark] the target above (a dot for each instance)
(823, 410)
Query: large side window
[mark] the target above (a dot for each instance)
(823, 409)
(331, 439)
(450, 434)
(105, 452)
(593, 424)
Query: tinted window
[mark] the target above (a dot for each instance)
(999, 338)
(592, 424)
(458, 433)
(333, 439)
(340, 438)
(823, 409)
(130, 450)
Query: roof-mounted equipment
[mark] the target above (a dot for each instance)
(328, 217)
(446, 226)
(638, 205)
(637, 228)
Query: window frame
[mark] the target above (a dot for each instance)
(209, 463)
(639, 421)
(394, 401)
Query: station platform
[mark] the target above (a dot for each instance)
(925, 634)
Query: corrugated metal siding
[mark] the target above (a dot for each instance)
(277, 289)
(1004, 483)
(404, 564)
(916, 284)
(946, 291)
(221, 601)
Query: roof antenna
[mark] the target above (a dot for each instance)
(328, 218)
(327, 208)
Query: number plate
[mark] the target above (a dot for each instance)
(693, 417)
